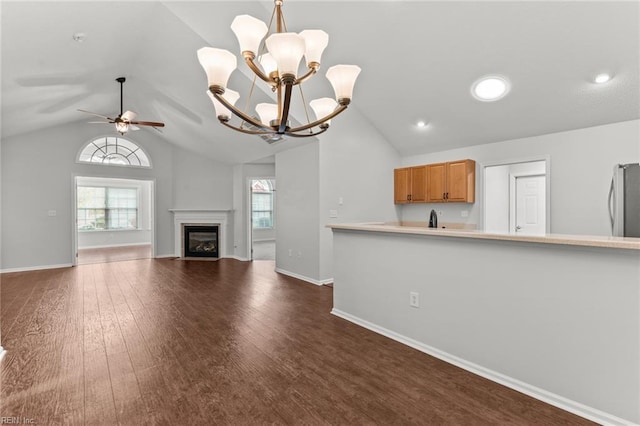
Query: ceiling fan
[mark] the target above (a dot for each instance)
(125, 121)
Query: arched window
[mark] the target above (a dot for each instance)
(113, 150)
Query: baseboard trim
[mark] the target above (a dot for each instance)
(561, 402)
(35, 268)
(114, 245)
(164, 256)
(233, 256)
(303, 278)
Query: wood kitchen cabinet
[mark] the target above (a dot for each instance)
(410, 185)
(451, 182)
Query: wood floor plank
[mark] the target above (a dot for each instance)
(178, 342)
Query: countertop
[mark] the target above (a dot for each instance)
(460, 231)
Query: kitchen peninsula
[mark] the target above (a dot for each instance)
(555, 317)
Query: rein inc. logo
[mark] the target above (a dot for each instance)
(9, 420)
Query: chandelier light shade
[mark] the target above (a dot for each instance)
(269, 65)
(315, 42)
(323, 107)
(218, 64)
(267, 113)
(249, 31)
(221, 111)
(287, 49)
(275, 57)
(343, 78)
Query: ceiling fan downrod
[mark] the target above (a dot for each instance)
(121, 80)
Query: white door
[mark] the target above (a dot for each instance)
(530, 205)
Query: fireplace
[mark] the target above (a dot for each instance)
(200, 241)
(200, 217)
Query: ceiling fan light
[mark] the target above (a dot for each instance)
(287, 49)
(218, 64)
(222, 111)
(122, 127)
(315, 43)
(267, 113)
(343, 79)
(249, 31)
(269, 64)
(323, 107)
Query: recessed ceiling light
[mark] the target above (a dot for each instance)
(421, 124)
(490, 88)
(602, 78)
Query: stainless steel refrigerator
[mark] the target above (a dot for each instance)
(624, 200)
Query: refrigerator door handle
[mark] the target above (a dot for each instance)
(612, 204)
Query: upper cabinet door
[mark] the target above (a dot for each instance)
(436, 182)
(419, 184)
(402, 188)
(461, 184)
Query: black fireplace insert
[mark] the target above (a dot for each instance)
(201, 241)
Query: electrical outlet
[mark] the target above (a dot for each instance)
(414, 299)
(290, 252)
(52, 213)
(333, 213)
(299, 254)
(464, 213)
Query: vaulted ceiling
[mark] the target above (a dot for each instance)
(418, 60)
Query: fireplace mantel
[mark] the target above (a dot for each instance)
(200, 217)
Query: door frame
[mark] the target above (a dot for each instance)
(74, 210)
(249, 210)
(513, 192)
(534, 158)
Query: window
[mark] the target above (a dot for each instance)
(262, 204)
(107, 208)
(112, 150)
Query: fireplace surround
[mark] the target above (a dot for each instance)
(186, 217)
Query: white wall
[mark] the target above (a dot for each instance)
(351, 163)
(200, 183)
(356, 165)
(37, 176)
(297, 208)
(581, 167)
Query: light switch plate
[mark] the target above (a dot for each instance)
(333, 214)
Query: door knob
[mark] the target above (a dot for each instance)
(518, 228)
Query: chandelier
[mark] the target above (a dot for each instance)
(276, 62)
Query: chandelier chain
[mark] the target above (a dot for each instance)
(304, 103)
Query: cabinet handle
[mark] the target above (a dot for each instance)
(444, 196)
(447, 195)
(409, 197)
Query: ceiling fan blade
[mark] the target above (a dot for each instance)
(100, 122)
(132, 127)
(97, 115)
(129, 116)
(148, 123)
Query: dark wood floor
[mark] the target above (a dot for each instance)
(228, 342)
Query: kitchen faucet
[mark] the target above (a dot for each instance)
(433, 219)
